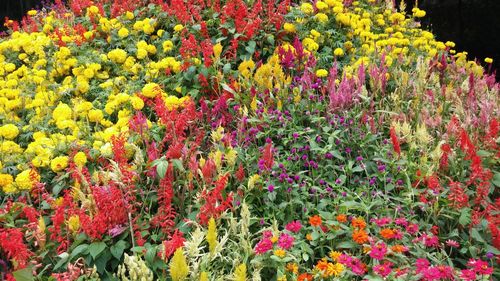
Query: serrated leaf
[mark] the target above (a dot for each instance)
(464, 218)
(96, 248)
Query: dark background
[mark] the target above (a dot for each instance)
(474, 25)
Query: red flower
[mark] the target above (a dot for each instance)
(395, 141)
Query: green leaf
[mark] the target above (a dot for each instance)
(118, 248)
(477, 236)
(80, 249)
(96, 248)
(178, 164)
(161, 168)
(150, 255)
(305, 256)
(346, 245)
(464, 217)
(496, 179)
(25, 274)
(64, 258)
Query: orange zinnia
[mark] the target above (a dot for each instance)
(315, 220)
(399, 248)
(342, 218)
(359, 222)
(305, 277)
(360, 236)
(387, 233)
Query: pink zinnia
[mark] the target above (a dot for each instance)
(480, 267)
(285, 241)
(383, 269)
(452, 243)
(263, 246)
(378, 251)
(468, 275)
(294, 226)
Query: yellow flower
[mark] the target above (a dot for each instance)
(338, 52)
(321, 72)
(80, 159)
(306, 8)
(178, 27)
(5, 180)
(74, 223)
(59, 163)
(322, 18)
(26, 179)
(32, 13)
(151, 90)
(9, 131)
(117, 56)
(203, 276)
(240, 274)
(212, 235)
(167, 46)
(321, 5)
(488, 60)
(334, 269)
(280, 253)
(179, 269)
(123, 32)
(246, 67)
(289, 27)
(292, 267)
(95, 115)
(137, 102)
(217, 48)
(252, 180)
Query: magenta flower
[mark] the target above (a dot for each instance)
(285, 241)
(263, 246)
(468, 275)
(294, 226)
(378, 251)
(452, 243)
(383, 269)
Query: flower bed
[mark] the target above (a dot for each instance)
(244, 140)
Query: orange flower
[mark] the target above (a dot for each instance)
(309, 237)
(399, 248)
(305, 277)
(387, 233)
(322, 265)
(315, 220)
(359, 222)
(342, 218)
(360, 236)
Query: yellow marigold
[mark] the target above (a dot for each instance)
(167, 46)
(95, 115)
(80, 159)
(62, 112)
(5, 180)
(289, 27)
(338, 52)
(307, 8)
(59, 163)
(9, 131)
(151, 90)
(10, 188)
(321, 72)
(321, 17)
(73, 223)
(26, 179)
(117, 56)
(321, 5)
(179, 268)
(280, 253)
(137, 102)
(123, 32)
(212, 235)
(240, 274)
